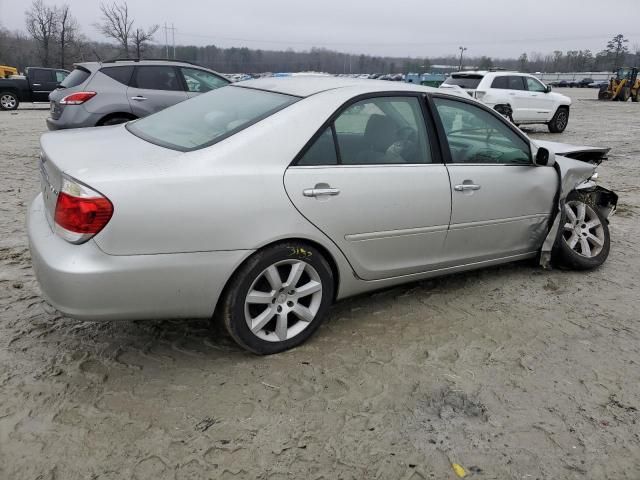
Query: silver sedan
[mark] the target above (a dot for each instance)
(265, 201)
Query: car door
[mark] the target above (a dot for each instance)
(518, 98)
(154, 88)
(373, 183)
(542, 103)
(200, 81)
(41, 82)
(501, 201)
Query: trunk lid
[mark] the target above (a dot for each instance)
(96, 157)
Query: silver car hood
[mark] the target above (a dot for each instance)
(578, 152)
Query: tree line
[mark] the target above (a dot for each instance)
(53, 38)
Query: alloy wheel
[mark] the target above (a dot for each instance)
(8, 102)
(583, 231)
(562, 120)
(283, 300)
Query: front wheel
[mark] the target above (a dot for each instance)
(8, 101)
(583, 242)
(559, 121)
(278, 298)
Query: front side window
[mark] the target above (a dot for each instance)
(157, 78)
(208, 118)
(41, 76)
(535, 86)
(383, 130)
(199, 81)
(476, 136)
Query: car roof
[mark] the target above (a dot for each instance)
(110, 63)
(307, 85)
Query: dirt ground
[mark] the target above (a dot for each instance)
(511, 372)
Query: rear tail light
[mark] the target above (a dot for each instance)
(77, 98)
(80, 212)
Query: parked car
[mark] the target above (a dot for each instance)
(585, 82)
(519, 96)
(266, 201)
(108, 93)
(34, 86)
(599, 84)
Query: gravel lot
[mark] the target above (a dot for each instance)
(512, 372)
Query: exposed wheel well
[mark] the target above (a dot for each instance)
(109, 116)
(327, 255)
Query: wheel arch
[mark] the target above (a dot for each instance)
(329, 257)
(109, 116)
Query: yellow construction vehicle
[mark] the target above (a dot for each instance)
(6, 72)
(623, 86)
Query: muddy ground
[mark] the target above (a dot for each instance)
(512, 372)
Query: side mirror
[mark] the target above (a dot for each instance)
(548, 89)
(544, 158)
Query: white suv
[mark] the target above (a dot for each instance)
(521, 97)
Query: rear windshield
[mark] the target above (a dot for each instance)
(75, 78)
(209, 118)
(470, 82)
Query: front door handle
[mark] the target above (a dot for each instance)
(466, 186)
(139, 98)
(320, 192)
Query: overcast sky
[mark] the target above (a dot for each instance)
(428, 28)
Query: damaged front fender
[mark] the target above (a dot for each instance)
(575, 176)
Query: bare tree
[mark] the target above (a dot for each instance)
(116, 24)
(67, 32)
(42, 26)
(617, 48)
(140, 39)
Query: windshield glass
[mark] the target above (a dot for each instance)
(75, 78)
(470, 82)
(209, 118)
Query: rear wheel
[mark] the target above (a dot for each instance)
(278, 298)
(559, 121)
(115, 120)
(624, 94)
(583, 241)
(8, 101)
(636, 97)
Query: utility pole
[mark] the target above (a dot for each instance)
(173, 32)
(462, 50)
(166, 39)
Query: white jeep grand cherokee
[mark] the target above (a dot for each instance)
(521, 97)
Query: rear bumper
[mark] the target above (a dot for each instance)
(74, 116)
(83, 282)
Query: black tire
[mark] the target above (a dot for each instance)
(506, 111)
(9, 101)
(566, 256)
(248, 277)
(114, 121)
(559, 121)
(624, 94)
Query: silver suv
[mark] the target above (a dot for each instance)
(108, 93)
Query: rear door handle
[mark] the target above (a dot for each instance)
(319, 192)
(139, 98)
(466, 186)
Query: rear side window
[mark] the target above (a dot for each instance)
(516, 83)
(322, 152)
(500, 82)
(209, 118)
(157, 78)
(120, 74)
(469, 82)
(75, 78)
